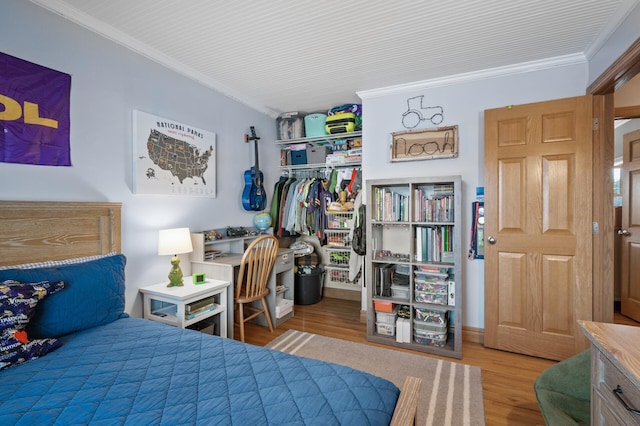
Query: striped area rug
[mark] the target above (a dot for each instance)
(451, 392)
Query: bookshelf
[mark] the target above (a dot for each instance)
(414, 264)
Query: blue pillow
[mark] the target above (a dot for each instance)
(93, 295)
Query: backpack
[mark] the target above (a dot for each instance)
(359, 241)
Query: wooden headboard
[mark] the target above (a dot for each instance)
(34, 231)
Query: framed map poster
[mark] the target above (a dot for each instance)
(172, 158)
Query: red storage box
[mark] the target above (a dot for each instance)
(383, 306)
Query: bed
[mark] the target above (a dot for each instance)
(94, 364)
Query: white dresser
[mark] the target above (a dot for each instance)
(615, 373)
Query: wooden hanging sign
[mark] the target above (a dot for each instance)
(425, 144)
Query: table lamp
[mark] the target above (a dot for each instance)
(174, 241)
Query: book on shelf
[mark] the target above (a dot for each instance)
(434, 243)
(391, 206)
(201, 311)
(383, 280)
(195, 306)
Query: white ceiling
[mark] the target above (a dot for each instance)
(304, 55)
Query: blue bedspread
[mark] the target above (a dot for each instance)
(135, 371)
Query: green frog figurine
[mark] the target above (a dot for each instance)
(175, 275)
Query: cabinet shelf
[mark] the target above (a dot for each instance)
(415, 261)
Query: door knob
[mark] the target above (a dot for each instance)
(491, 240)
(624, 232)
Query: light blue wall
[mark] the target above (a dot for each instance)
(624, 36)
(464, 104)
(108, 83)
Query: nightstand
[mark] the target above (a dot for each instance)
(187, 305)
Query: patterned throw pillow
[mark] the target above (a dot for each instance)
(17, 306)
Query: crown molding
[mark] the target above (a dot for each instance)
(62, 9)
(559, 61)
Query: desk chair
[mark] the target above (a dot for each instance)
(257, 262)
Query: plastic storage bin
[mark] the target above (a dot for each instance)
(386, 317)
(431, 286)
(308, 287)
(428, 338)
(386, 329)
(290, 125)
(428, 297)
(436, 316)
(400, 292)
(429, 327)
(380, 306)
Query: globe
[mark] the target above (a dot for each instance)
(262, 221)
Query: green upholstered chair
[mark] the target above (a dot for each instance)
(564, 391)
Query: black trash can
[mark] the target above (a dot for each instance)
(308, 286)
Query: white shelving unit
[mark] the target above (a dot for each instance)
(414, 235)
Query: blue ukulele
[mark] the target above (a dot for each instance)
(254, 196)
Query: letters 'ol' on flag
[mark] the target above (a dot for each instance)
(34, 113)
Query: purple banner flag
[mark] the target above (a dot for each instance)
(34, 113)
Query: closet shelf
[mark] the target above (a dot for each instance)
(320, 140)
(319, 166)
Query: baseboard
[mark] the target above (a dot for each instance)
(338, 293)
(473, 334)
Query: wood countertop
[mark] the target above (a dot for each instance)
(619, 343)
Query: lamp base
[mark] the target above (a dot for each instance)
(175, 275)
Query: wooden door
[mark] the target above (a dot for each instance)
(538, 229)
(630, 232)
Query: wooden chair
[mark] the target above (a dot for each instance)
(257, 262)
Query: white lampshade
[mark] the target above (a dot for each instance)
(174, 241)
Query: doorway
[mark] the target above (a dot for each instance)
(627, 233)
(612, 80)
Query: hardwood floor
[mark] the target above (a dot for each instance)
(507, 378)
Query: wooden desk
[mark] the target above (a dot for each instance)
(615, 364)
(225, 268)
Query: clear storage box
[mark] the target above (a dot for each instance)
(437, 316)
(431, 339)
(431, 286)
(400, 292)
(386, 317)
(290, 125)
(386, 329)
(429, 327)
(428, 297)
